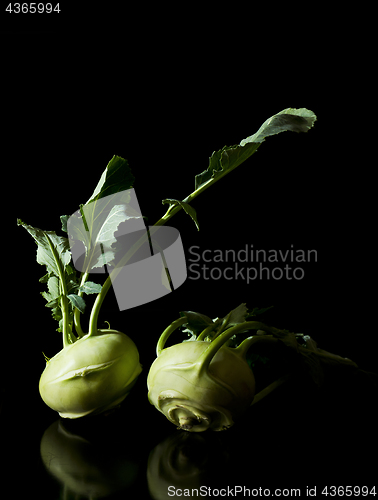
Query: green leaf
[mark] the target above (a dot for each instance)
(64, 219)
(295, 120)
(53, 252)
(45, 255)
(257, 311)
(53, 303)
(90, 287)
(225, 160)
(100, 238)
(45, 278)
(188, 209)
(98, 220)
(70, 270)
(102, 234)
(196, 322)
(57, 315)
(116, 177)
(77, 302)
(238, 315)
(53, 293)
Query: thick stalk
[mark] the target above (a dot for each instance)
(222, 326)
(108, 282)
(205, 358)
(206, 332)
(173, 210)
(92, 330)
(77, 313)
(168, 332)
(68, 337)
(270, 388)
(244, 346)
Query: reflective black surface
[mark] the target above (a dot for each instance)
(295, 438)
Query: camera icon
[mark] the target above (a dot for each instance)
(109, 236)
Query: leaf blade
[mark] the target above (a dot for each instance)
(289, 119)
(45, 255)
(77, 302)
(90, 287)
(115, 178)
(54, 256)
(188, 208)
(229, 157)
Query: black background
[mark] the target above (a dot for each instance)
(70, 106)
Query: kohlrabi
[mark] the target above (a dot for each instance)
(208, 382)
(96, 368)
(92, 375)
(94, 371)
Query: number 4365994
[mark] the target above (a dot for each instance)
(32, 8)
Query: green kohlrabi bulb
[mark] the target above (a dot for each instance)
(200, 385)
(196, 398)
(92, 375)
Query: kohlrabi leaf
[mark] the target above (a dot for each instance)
(257, 311)
(196, 322)
(52, 250)
(238, 315)
(90, 287)
(290, 119)
(96, 223)
(64, 219)
(77, 301)
(116, 177)
(224, 161)
(188, 209)
(98, 220)
(106, 231)
(96, 229)
(102, 228)
(53, 287)
(230, 157)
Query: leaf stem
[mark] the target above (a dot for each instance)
(168, 332)
(83, 217)
(173, 210)
(108, 282)
(270, 388)
(202, 336)
(77, 313)
(207, 355)
(222, 326)
(92, 330)
(68, 337)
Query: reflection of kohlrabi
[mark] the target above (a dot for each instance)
(204, 383)
(88, 462)
(186, 460)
